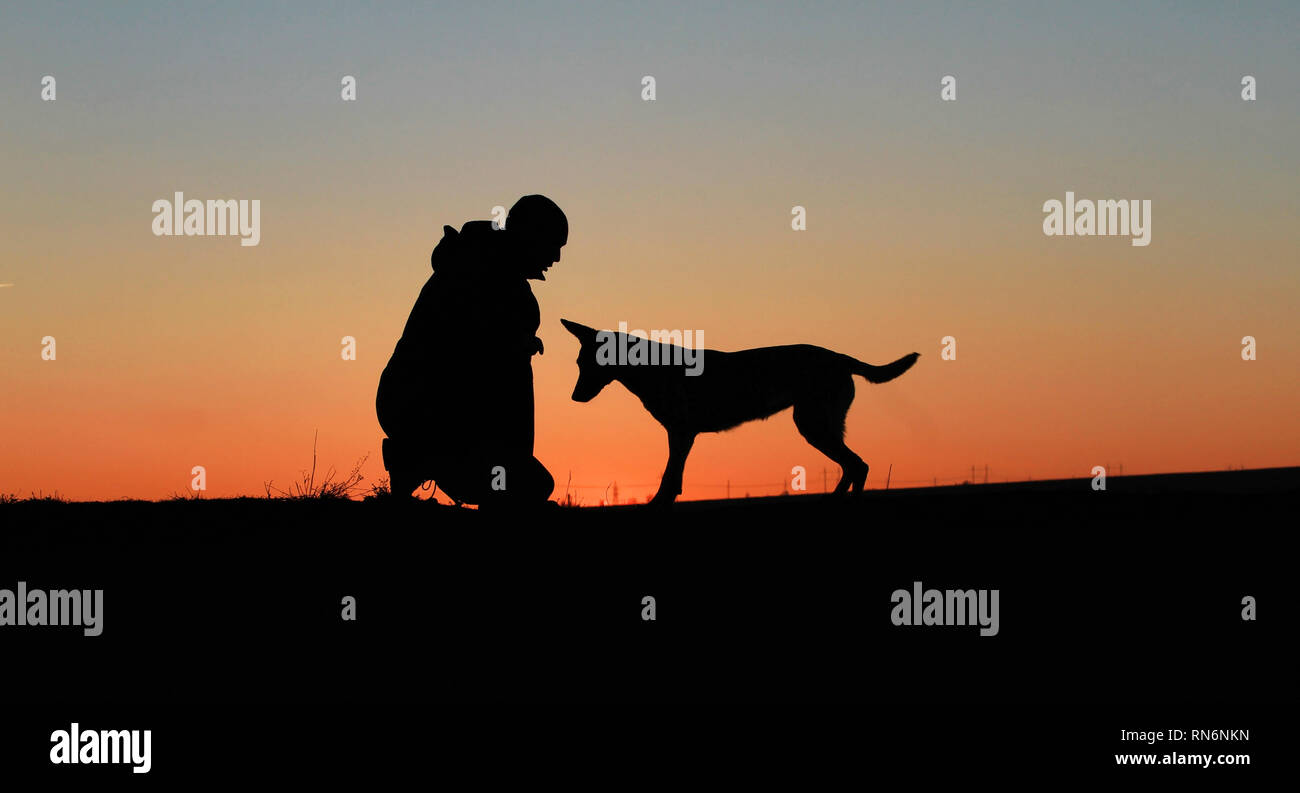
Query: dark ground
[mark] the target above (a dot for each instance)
(1131, 595)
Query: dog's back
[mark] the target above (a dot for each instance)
(736, 387)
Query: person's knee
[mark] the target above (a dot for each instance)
(398, 417)
(521, 481)
(545, 483)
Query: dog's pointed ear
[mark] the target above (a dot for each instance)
(584, 333)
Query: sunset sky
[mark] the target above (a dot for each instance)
(924, 220)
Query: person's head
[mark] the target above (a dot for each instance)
(540, 229)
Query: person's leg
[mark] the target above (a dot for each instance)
(537, 485)
(397, 416)
(401, 462)
(427, 438)
(497, 480)
(478, 451)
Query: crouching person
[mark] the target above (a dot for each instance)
(456, 399)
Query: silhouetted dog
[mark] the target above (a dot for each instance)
(731, 388)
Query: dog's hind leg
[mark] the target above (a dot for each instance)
(679, 446)
(820, 420)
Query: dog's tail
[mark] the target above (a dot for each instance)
(883, 374)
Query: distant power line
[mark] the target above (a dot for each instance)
(973, 476)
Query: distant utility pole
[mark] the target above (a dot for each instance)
(728, 488)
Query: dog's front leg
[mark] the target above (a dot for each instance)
(670, 487)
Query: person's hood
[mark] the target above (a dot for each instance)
(450, 250)
(444, 253)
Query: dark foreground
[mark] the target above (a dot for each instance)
(1134, 593)
(1120, 608)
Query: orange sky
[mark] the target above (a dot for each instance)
(924, 220)
(1064, 361)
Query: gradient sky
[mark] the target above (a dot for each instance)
(924, 220)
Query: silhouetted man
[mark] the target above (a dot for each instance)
(456, 399)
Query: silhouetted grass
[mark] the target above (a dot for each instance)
(329, 487)
(39, 496)
(569, 500)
